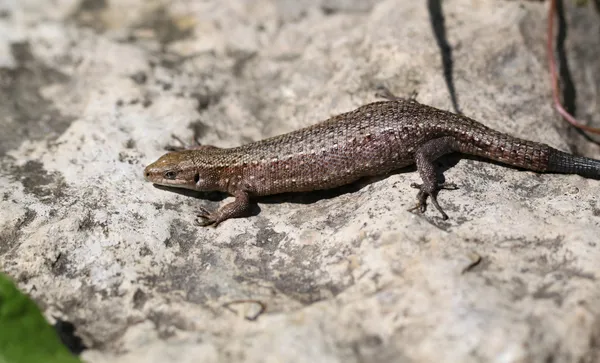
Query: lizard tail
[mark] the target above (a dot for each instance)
(561, 162)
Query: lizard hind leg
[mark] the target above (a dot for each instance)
(425, 158)
(384, 92)
(184, 146)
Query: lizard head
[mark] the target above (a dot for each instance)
(182, 169)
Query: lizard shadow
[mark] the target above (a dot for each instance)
(442, 164)
(210, 196)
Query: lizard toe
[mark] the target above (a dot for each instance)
(424, 193)
(203, 221)
(447, 186)
(203, 212)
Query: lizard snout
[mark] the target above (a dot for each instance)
(149, 173)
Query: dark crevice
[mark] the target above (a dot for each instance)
(567, 87)
(66, 332)
(436, 16)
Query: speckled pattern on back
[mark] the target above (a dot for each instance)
(373, 139)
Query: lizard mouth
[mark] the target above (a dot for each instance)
(157, 177)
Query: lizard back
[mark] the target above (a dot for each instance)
(371, 140)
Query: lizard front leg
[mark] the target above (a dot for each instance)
(424, 158)
(238, 208)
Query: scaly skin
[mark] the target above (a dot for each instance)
(373, 139)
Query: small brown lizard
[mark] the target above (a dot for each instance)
(373, 139)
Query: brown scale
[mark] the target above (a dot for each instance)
(371, 140)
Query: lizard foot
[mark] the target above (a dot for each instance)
(424, 194)
(182, 146)
(384, 92)
(206, 218)
(172, 147)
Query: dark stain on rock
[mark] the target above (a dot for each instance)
(24, 113)
(191, 276)
(139, 299)
(130, 144)
(145, 251)
(294, 278)
(545, 293)
(10, 236)
(577, 273)
(327, 10)
(205, 99)
(89, 14)
(242, 59)
(139, 77)
(165, 28)
(60, 265)
(182, 234)
(169, 206)
(87, 222)
(126, 157)
(93, 5)
(268, 239)
(29, 216)
(333, 7)
(165, 322)
(47, 187)
(197, 289)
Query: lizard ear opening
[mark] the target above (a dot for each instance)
(196, 178)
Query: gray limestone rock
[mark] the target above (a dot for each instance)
(91, 91)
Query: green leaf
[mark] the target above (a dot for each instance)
(25, 335)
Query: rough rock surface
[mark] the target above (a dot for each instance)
(91, 91)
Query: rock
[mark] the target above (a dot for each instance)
(91, 91)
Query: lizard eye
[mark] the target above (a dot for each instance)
(170, 175)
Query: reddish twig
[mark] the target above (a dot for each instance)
(555, 89)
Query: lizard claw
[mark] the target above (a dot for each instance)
(384, 92)
(445, 186)
(171, 147)
(205, 218)
(183, 144)
(423, 194)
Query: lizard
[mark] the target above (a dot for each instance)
(374, 139)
